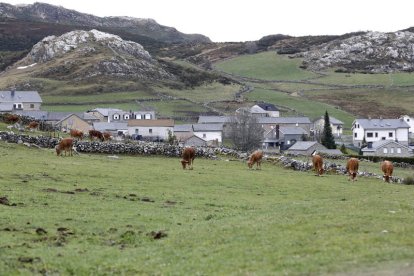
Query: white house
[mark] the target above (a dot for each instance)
(410, 121)
(374, 130)
(265, 110)
(336, 125)
(151, 129)
(19, 100)
(209, 132)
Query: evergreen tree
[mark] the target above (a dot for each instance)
(343, 149)
(327, 137)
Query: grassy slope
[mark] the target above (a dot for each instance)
(396, 96)
(274, 221)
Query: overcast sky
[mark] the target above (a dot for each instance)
(242, 20)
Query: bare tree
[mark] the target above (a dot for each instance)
(245, 131)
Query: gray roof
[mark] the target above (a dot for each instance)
(381, 143)
(6, 106)
(330, 151)
(382, 123)
(103, 126)
(292, 130)
(35, 114)
(303, 145)
(105, 111)
(213, 119)
(267, 106)
(332, 120)
(284, 120)
(20, 96)
(183, 128)
(207, 127)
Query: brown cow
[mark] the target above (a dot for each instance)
(317, 164)
(107, 136)
(74, 133)
(11, 118)
(65, 144)
(188, 158)
(352, 168)
(387, 168)
(255, 157)
(32, 125)
(95, 134)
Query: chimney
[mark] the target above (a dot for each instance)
(12, 92)
(277, 132)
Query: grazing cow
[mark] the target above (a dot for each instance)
(188, 158)
(95, 134)
(11, 118)
(255, 157)
(317, 164)
(74, 133)
(65, 144)
(107, 136)
(352, 168)
(32, 125)
(387, 169)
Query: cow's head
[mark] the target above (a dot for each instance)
(58, 151)
(250, 164)
(387, 178)
(321, 171)
(184, 163)
(353, 174)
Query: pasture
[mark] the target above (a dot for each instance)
(94, 214)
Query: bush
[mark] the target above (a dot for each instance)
(409, 180)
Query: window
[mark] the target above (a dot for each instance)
(17, 106)
(376, 134)
(116, 117)
(136, 131)
(150, 130)
(31, 105)
(390, 134)
(370, 134)
(204, 135)
(126, 116)
(408, 119)
(355, 135)
(398, 150)
(147, 116)
(138, 116)
(385, 150)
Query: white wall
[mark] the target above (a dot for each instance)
(209, 135)
(161, 132)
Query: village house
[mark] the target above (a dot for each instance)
(336, 125)
(410, 121)
(210, 133)
(261, 110)
(373, 130)
(283, 137)
(19, 100)
(193, 141)
(387, 148)
(115, 128)
(82, 121)
(123, 116)
(154, 130)
(306, 148)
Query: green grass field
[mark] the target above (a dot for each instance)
(91, 214)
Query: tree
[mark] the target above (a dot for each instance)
(245, 131)
(328, 139)
(343, 149)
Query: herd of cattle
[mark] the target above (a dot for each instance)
(352, 164)
(188, 154)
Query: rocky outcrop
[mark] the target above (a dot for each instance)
(373, 52)
(81, 55)
(41, 12)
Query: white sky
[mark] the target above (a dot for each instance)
(242, 20)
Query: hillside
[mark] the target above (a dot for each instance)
(40, 12)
